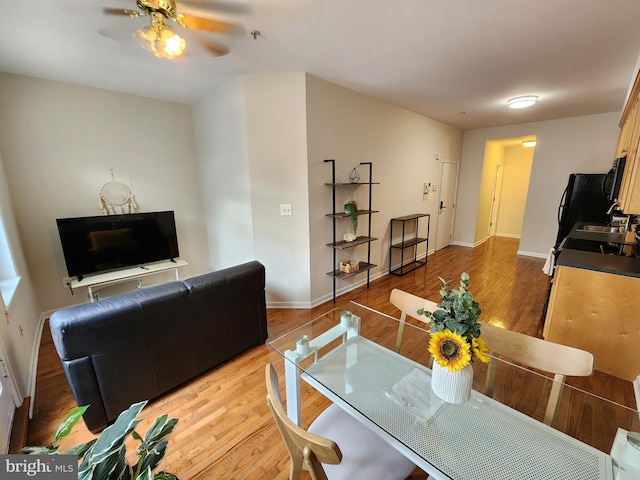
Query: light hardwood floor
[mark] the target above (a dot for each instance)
(225, 429)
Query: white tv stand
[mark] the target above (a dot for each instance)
(129, 279)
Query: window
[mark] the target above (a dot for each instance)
(8, 274)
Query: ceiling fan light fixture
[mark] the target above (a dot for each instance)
(173, 45)
(160, 40)
(522, 102)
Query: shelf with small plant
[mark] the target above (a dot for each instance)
(343, 269)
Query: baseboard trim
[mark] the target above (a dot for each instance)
(33, 367)
(347, 288)
(532, 254)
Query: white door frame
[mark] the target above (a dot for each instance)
(9, 396)
(495, 200)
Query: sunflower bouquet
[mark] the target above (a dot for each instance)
(455, 331)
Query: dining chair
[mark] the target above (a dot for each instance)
(409, 305)
(361, 455)
(561, 360)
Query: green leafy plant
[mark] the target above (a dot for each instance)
(458, 311)
(105, 458)
(352, 209)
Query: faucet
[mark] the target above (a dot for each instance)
(615, 204)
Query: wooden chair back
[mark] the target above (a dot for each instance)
(561, 360)
(409, 305)
(306, 450)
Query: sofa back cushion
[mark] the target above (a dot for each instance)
(134, 345)
(229, 313)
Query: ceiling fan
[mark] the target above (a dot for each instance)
(161, 40)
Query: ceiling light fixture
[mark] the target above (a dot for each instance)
(522, 102)
(529, 143)
(159, 39)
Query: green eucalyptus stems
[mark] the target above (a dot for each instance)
(351, 208)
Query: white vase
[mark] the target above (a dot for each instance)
(452, 387)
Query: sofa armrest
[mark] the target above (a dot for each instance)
(85, 390)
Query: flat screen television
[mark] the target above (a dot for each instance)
(113, 242)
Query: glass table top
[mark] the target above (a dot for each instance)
(354, 363)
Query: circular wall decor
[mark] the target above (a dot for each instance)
(116, 198)
(115, 194)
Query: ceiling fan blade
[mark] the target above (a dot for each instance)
(221, 6)
(122, 12)
(215, 49)
(200, 23)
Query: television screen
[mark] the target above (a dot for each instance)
(113, 242)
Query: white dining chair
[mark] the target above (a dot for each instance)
(539, 354)
(409, 304)
(361, 455)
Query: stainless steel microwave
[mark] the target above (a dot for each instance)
(613, 179)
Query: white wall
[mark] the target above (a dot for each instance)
(493, 156)
(224, 178)
(571, 145)
(252, 150)
(277, 151)
(515, 185)
(19, 332)
(292, 123)
(59, 142)
(351, 128)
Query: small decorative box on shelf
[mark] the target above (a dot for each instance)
(349, 266)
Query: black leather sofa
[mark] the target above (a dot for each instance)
(139, 345)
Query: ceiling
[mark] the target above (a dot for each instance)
(456, 61)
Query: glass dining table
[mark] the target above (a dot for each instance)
(352, 356)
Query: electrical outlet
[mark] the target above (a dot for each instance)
(285, 210)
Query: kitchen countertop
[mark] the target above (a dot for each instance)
(600, 262)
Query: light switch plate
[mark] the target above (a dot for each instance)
(285, 210)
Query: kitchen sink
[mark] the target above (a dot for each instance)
(600, 229)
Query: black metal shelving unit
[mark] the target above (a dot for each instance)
(406, 243)
(336, 216)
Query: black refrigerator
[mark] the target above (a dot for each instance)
(583, 200)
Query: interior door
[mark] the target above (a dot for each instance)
(7, 404)
(446, 205)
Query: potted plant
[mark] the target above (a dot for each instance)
(105, 458)
(455, 341)
(351, 208)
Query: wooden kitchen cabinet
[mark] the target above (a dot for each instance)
(597, 312)
(629, 195)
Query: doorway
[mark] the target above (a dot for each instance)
(446, 205)
(504, 187)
